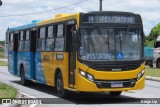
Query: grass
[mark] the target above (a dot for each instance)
(154, 72)
(7, 91)
(3, 63)
(1, 54)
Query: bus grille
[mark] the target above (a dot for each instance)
(107, 84)
(116, 67)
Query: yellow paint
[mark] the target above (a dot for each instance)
(82, 84)
(59, 18)
(52, 64)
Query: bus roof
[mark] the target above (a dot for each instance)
(58, 18)
(24, 26)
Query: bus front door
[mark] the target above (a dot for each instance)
(32, 56)
(72, 56)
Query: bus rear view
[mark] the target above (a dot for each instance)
(110, 56)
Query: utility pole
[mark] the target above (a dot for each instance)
(100, 5)
(0, 2)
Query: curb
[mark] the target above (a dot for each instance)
(152, 78)
(19, 95)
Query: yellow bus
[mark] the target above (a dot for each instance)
(81, 52)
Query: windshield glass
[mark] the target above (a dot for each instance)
(111, 44)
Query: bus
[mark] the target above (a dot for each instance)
(81, 52)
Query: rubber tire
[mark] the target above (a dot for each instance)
(115, 93)
(60, 86)
(24, 82)
(158, 63)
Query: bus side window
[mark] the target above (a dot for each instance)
(11, 41)
(27, 41)
(41, 39)
(50, 39)
(21, 42)
(59, 40)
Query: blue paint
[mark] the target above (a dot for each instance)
(33, 24)
(27, 59)
(12, 61)
(40, 77)
(120, 56)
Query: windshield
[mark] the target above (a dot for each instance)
(111, 44)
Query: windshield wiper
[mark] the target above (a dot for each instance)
(125, 33)
(102, 35)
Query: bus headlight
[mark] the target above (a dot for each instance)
(86, 75)
(139, 76)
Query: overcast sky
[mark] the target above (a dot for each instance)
(148, 9)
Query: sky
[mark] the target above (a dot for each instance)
(148, 9)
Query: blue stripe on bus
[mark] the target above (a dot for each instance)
(22, 27)
(40, 77)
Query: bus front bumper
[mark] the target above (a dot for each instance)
(84, 85)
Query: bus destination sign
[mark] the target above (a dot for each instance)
(111, 19)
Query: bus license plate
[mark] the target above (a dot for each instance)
(113, 85)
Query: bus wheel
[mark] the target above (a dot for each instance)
(115, 93)
(158, 63)
(23, 80)
(60, 86)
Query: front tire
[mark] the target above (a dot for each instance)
(23, 80)
(115, 93)
(60, 86)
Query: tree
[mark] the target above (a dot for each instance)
(151, 38)
(155, 32)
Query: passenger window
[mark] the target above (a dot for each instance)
(21, 35)
(27, 35)
(11, 37)
(27, 45)
(59, 44)
(11, 41)
(21, 42)
(21, 45)
(42, 32)
(40, 44)
(49, 44)
(27, 41)
(50, 32)
(60, 30)
(59, 41)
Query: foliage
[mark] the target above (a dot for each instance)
(1, 49)
(2, 43)
(151, 38)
